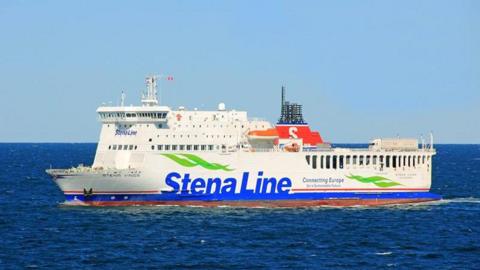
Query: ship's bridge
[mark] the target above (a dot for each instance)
(133, 114)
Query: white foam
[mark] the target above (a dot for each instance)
(383, 253)
(461, 200)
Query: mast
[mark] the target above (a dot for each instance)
(150, 97)
(122, 99)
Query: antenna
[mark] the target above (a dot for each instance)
(282, 107)
(122, 99)
(431, 140)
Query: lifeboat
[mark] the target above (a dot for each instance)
(267, 134)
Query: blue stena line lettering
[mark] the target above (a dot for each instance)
(216, 185)
(126, 132)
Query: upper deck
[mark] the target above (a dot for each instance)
(128, 132)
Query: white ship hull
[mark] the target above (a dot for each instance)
(250, 179)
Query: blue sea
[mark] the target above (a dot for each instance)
(38, 231)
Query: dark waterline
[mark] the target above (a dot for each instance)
(37, 231)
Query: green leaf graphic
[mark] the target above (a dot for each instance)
(193, 161)
(180, 161)
(378, 181)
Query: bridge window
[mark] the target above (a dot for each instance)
(387, 161)
(347, 160)
(340, 163)
(167, 147)
(354, 160)
(322, 158)
(367, 160)
(327, 162)
(174, 147)
(334, 162)
(394, 161)
(409, 161)
(189, 147)
(114, 147)
(119, 147)
(314, 161)
(182, 147)
(195, 147)
(135, 147)
(203, 147)
(374, 160)
(210, 147)
(361, 161)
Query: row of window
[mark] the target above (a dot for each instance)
(183, 147)
(161, 126)
(387, 161)
(213, 126)
(166, 147)
(122, 147)
(196, 136)
(154, 115)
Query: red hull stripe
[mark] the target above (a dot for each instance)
(280, 203)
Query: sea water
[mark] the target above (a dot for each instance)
(38, 231)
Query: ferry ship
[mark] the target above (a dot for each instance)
(156, 155)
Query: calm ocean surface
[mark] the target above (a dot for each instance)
(36, 231)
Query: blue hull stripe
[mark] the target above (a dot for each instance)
(254, 197)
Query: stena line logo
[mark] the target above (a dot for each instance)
(125, 132)
(215, 185)
(186, 184)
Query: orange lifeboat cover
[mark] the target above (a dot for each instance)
(272, 132)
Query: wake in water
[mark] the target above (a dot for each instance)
(459, 200)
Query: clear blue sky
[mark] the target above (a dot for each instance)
(362, 69)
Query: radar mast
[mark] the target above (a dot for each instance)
(150, 97)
